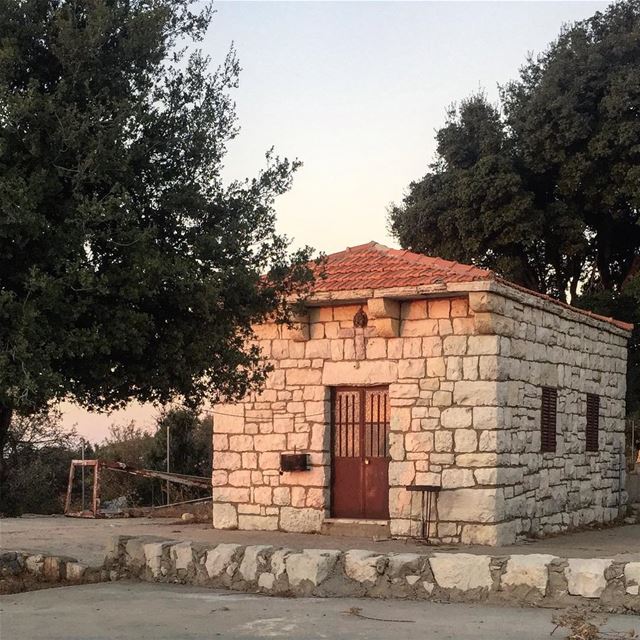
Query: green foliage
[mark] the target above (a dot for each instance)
(128, 269)
(190, 438)
(545, 187)
(37, 451)
(132, 445)
(625, 305)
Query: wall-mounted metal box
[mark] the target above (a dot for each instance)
(294, 462)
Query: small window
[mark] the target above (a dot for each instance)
(548, 419)
(593, 421)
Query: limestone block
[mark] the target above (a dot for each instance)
(271, 442)
(455, 345)
(468, 505)
(253, 561)
(218, 559)
(485, 302)
(383, 308)
(229, 460)
(465, 440)
(401, 473)
(75, 571)
(475, 393)
(266, 580)
(439, 308)
(483, 345)
(531, 570)
(387, 328)
(455, 478)
(490, 534)
(456, 418)
(632, 577)
(183, 555)
(301, 520)
(412, 368)
(231, 494)
(135, 550)
(153, 556)
(278, 561)
(461, 571)
(436, 367)
(258, 523)
(401, 564)
(312, 565)
(444, 441)
(586, 577)
(364, 566)
(359, 373)
(419, 442)
(35, 564)
(303, 376)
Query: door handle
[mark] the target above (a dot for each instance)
(366, 460)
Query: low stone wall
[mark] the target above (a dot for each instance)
(531, 579)
(21, 571)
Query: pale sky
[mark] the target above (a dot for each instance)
(356, 91)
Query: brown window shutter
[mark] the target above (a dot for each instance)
(548, 419)
(593, 421)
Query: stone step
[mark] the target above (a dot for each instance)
(348, 527)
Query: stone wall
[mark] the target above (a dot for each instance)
(464, 375)
(545, 493)
(533, 579)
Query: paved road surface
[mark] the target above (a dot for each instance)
(175, 612)
(86, 539)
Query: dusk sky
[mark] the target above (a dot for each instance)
(356, 91)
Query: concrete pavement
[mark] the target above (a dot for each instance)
(86, 540)
(166, 612)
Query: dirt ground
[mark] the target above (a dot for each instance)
(85, 540)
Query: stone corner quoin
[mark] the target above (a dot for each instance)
(464, 371)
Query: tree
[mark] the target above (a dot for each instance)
(132, 445)
(128, 269)
(545, 187)
(38, 450)
(190, 438)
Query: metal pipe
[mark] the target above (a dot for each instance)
(168, 469)
(82, 474)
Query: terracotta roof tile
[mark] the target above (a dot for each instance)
(374, 266)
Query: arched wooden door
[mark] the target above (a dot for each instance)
(360, 453)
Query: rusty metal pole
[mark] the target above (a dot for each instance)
(83, 474)
(168, 469)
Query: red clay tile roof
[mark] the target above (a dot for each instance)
(374, 266)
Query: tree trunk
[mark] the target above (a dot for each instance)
(6, 413)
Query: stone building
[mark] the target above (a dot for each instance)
(409, 370)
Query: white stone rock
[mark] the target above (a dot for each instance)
(632, 577)
(362, 566)
(461, 571)
(313, 565)
(183, 554)
(153, 556)
(35, 564)
(75, 571)
(412, 579)
(398, 562)
(278, 561)
(252, 561)
(218, 559)
(428, 586)
(266, 580)
(531, 570)
(586, 577)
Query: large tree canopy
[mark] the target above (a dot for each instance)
(128, 269)
(544, 187)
